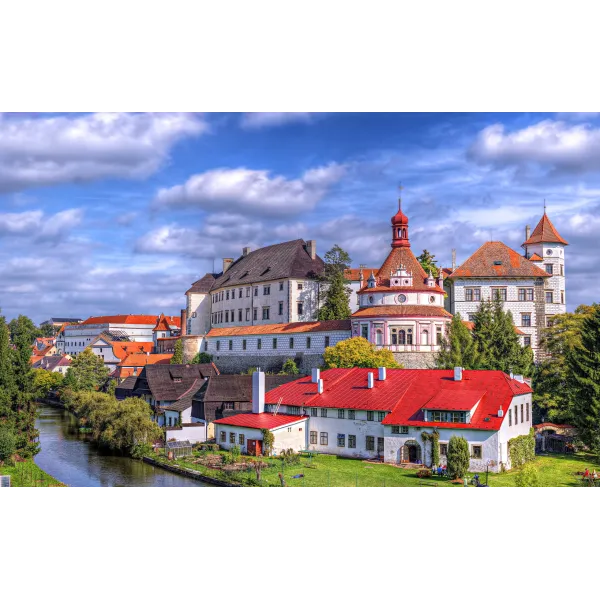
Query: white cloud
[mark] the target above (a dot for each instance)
(252, 192)
(260, 120)
(54, 150)
(553, 145)
(36, 226)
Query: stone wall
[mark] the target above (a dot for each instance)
(416, 360)
(232, 363)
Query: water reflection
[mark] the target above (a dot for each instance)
(69, 458)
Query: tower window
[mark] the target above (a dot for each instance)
(549, 268)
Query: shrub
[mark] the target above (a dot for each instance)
(458, 457)
(8, 444)
(522, 449)
(235, 453)
(527, 477)
(141, 450)
(290, 367)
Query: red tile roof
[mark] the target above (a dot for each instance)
(455, 400)
(404, 393)
(123, 320)
(470, 325)
(259, 421)
(309, 327)
(402, 311)
(541, 425)
(390, 288)
(496, 259)
(167, 323)
(140, 360)
(545, 232)
(354, 274)
(403, 256)
(536, 258)
(123, 349)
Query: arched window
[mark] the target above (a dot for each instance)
(425, 338)
(394, 337)
(402, 337)
(404, 233)
(399, 233)
(409, 338)
(379, 337)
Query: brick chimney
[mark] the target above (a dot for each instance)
(311, 248)
(184, 330)
(227, 262)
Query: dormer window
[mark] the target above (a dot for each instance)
(176, 379)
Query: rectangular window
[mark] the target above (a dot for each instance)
(527, 340)
(370, 443)
(562, 297)
(313, 412)
(247, 292)
(443, 449)
(274, 343)
(300, 308)
(240, 294)
(351, 441)
(324, 439)
(526, 319)
(510, 418)
(351, 415)
(499, 293)
(549, 298)
(380, 416)
(266, 290)
(256, 291)
(521, 294)
(259, 344)
(324, 412)
(232, 316)
(266, 312)
(380, 445)
(522, 412)
(255, 314)
(313, 437)
(241, 437)
(281, 286)
(293, 410)
(370, 415)
(404, 429)
(247, 314)
(218, 345)
(476, 452)
(227, 295)
(243, 344)
(300, 286)
(281, 308)
(326, 341)
(473, 294)
(527, 412)
(226, 316)
(240, 315)
(231, 344)
(341, 440)
(228, 405)
(562, 270)
(549, 268)
(516, 416)
(341, 413)
(223, 437)
(395, 429)
(525, 294)
(232, 437)
(308, 343)
(291, 343)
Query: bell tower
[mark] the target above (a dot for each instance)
(400, 228)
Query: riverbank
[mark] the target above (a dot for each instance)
(28, 474)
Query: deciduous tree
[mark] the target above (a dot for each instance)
(87, 372)
(358, 352)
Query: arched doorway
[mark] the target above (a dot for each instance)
(410, 452)
(424, 337)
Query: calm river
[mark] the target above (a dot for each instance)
(69, 458)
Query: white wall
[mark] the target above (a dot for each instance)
(288, 436)
(191, 434)
(507, 432)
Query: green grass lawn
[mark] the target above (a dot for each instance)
(332, 471)
(28, 474)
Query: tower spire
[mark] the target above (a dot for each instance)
(544, 205)
(400, 188)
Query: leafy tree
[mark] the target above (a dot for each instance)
(458, 457)
(86, 372)
(47, 330)
(358, 352)
(45, 382)
(290, 367)
(24, 326)
(7, 383)
(335, 296)
(8, 444)
(527, 477)
(458, 347)
(177, 358)
(268, 441)
(202, 358)
(429, 263)
(583, 364)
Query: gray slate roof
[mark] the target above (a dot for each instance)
(203, 286)
(161, 380)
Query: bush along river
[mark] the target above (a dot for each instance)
(69, 457)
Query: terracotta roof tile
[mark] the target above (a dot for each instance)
(545, 232)
(402, 311)
(354, 274)
(403, 256)
(496, 259)
(309, 327)
(123, 320)
(536, 258)
(140, 360)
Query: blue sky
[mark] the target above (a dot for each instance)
(120, 213)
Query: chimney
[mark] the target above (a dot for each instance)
(184, 330)
(227, 262)
(500, 412)
(453, 259)
(258, 392)
(311, 248)
(527, 232)
(320, 386)
(316, 374)
(458, 373)
(370, 380)
(245, 251)
(382, 373)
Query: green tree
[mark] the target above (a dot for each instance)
(458, 457)
(45, 382)
(7, 382)
(177, 358)
(527, 477)
(47, 330)
(335, 295)
(583, 364)
(202, 358)
(8, 444)
(358, 352)
(429, 263)
(24, 326)
(290, 367)
(86, 372)
(458, 347)
(268, 441)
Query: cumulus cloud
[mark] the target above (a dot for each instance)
(251, 192)
(260, 120)
(555, 146)
(36, 226)
(53, 150)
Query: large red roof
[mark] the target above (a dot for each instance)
(405, 392)
(398, 257)
(309, 327)
(545, 232)
(402, 311)
(354, 274)
(123, 320)
(260, 420)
